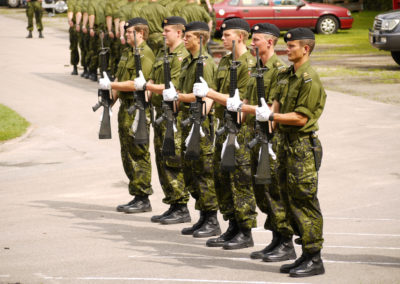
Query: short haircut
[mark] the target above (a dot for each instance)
(178, 27)
(205, 34)
(309, 42)
(144, 28)
(242, 32)
(274, 38)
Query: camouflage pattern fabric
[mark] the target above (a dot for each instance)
(34, 8)
(73, 45)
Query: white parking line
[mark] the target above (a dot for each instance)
(362, 262)
(262, 230)
(351, 247)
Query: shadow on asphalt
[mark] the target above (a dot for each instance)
(371, 259)
(69, 80)
(167, 244)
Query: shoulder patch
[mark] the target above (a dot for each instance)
(306, 77)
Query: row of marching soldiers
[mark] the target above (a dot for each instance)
(210, 114)
(99, 24)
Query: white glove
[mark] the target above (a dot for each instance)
(105, 83)
(170, 94)
(263, 112)
(139, 82)
(234, 103)
(201, 89)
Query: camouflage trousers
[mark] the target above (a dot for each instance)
(115, 48)
(199, 174)
(234, 190)
(92, 55)
(135, 158)
(34, 8)
(268, 197)
(297, 179)
(73, 46)
(84, 48)
(169, 169)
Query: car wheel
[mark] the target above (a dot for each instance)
(13, 3)
(327, 25)
(396, 56)
(60, 7)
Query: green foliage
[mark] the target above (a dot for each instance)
(383, 5)
(11, 124)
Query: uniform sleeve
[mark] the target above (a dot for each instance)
(91, 10)
(147, 64)
(243, 80)
(205, 16)
(209, 73)
(311, 100)
(108, 9)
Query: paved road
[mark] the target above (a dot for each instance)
(59, 186)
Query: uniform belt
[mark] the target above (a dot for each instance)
(291, 137)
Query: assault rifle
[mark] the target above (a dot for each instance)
(139, 126)
(168, 147)
(231, 122)
(198, 112)
(263, 174)
(104, 98)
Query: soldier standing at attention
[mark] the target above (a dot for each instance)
(198, 174)
(299, 100)
(34, 7)
(84, 35)
(169, 168)
(234, 190)
(135, 158)
(128, 11)
(192, 12)
(73, 35)
(155, 13)
(268, 197)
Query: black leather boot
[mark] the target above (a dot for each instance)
(232, 230)
(274, 242)
(87, 74)
(312, 265)
(75, 70)
(40, 34)
(243, 239)
(29, 35)
(93, 76)
(157, 218)
(196, 226)
(179, 214)
(140, 204)
(210, 226)
(85, 71)
(283, 251)
(121, 208)
(287, 267)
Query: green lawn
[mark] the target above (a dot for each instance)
(11, 124)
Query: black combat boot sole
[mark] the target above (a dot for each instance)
(239, 246)
(318, 271)
(177, 221)
(279, 259)
(131, 210)
(213, 233)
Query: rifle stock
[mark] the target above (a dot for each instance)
(105, 124)
(196, 109)
(141, 133)
(168, 147)
(263, 174)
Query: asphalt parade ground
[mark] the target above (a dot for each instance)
(60, 184)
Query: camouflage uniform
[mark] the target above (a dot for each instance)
(234, 191)
(82, 7)
(268, 197)
(169, 169)
(73, 34)
(212, 14)
(192, 12)
(34, 8)
(297, 164)
(135, 158)
(155, 13)
(198, 174)
(96, 8)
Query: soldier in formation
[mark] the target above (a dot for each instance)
(34, 9)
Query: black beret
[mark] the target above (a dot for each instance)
(197, 26)
(174, 20)
(266, 28)
(134, 22)
(236, 24)
(299, 33)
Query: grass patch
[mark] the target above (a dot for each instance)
(12, 125)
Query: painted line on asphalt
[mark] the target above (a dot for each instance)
(262, 230)
(5, 276)
(361, 219)
(94, 278)
(361, 262)
(251, 260)
(350, 247)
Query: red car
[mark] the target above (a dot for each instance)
(286, 14)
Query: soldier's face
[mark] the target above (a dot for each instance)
(171, 35)
(260, 41)
(191, 41)
(295, 50)
(227, 37)
(130, 37)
